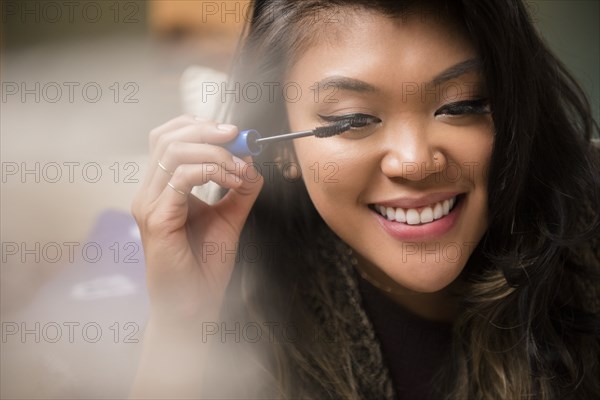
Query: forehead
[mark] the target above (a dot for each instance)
(350, 41)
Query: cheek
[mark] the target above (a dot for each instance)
(334, 180)
(469, 153)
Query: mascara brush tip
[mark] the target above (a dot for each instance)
(332, 130)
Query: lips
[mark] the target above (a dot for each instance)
(417, 215)
(421, 223)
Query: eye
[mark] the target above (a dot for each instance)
(360, 124)
(466, 107)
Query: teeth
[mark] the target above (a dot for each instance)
(400, 215)
(445, 207)
(412, 216)
(391, 213)
(438, 211)
(426, 215)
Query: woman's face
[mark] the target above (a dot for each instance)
(408, 190)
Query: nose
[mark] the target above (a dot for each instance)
(410, 154)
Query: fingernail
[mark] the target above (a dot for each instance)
(225, 127)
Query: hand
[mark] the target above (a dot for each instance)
(186, 283)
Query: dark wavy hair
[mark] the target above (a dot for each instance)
(529, 323)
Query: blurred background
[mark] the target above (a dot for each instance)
(83, 82)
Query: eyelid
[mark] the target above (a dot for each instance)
(349, 117)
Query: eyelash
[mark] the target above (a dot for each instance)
(479, 106)
(357, 121)
(465, 107)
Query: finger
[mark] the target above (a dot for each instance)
(216, 158)
(172, 206)
(171, 125)
(205, 132)
(178, 188)
(195, 131)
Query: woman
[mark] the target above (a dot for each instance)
(445, 247)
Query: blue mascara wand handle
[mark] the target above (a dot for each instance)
(250, 143)
(245, 144)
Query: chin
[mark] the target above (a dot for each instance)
(426, 278)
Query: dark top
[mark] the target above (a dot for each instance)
(413, 348)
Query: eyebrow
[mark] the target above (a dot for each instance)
(345, 83)
(456, 70)
(356, 85)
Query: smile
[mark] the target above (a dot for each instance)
(417, 216)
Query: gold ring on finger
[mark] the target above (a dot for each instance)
(177, 190)
(164, 168)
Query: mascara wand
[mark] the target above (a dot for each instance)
(250, 142)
